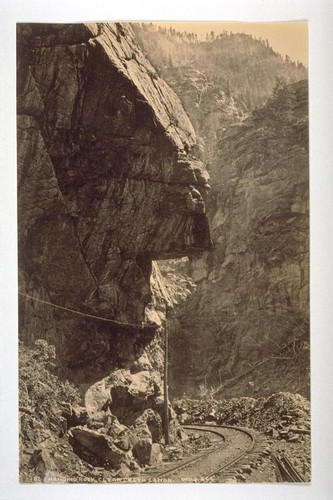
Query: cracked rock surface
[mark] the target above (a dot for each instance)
(107, 183)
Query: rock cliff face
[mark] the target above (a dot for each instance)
(106, 184)
(247, 321)
(209, 106)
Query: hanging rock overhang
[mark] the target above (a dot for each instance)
(106, 178)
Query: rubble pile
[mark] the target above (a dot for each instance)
(282, 415)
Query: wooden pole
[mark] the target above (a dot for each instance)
(166, 389)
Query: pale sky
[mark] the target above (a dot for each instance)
(289, 38)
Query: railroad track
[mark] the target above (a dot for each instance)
(286, 472)
(234, 452)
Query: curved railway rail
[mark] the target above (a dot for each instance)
(286, 472)
(234, 451)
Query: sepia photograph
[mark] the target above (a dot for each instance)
(163, 252)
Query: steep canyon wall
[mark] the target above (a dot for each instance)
(248, 320)
(106, 184)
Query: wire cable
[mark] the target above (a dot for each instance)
(74, 311)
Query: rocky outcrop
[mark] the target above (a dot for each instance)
(101, 446)
(106, 184)
(247, 322)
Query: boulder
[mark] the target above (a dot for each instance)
(143, 432)
(115, 428)
(151, 420)
(156, 457)
(125, 441)
(141, 387)
(123, 437)
(143, 447)
(132, 393)
(95, 398)
(174, 452)
(142, 451)
(101, 446)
